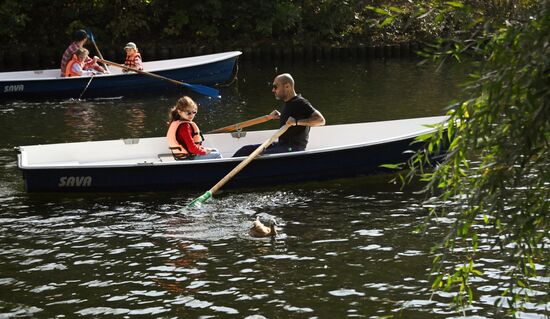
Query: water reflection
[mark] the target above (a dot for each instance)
(346, 248)
(136, 120)
(83, 120)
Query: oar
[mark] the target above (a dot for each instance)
(238, 126)
(87, 85)
(204, 197)
(205, 90)
(91, 36)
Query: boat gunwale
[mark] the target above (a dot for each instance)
(222, 56)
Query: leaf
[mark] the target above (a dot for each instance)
(378, 10)
(396, 9)
(437, 282)
(387, 21)
(391, 166)
(455, 4)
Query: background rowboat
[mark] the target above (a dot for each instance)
(205, 69)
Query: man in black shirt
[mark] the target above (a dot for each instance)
(297, 112)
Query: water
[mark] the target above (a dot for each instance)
(346, 248)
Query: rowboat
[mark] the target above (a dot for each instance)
(208, 69)
(145, 164)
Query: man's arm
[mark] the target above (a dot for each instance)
(315, 119)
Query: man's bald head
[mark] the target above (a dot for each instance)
(285, 78)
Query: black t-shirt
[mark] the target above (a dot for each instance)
(296, 136)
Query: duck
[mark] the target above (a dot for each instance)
(260, 230)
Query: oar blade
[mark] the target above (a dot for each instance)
(204, 90)
(90, 35)
(197, 202)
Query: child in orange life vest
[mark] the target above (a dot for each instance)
(184, 136)
(80, 38)
(75, 67)
(133, 57)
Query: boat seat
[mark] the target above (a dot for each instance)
(166, 157)
(174, 155)
(177, 156)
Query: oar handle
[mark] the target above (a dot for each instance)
(238, 126)
(97, 49)
(91, 36)
(250, 157)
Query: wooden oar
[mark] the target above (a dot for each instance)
(238, 126)
(204, 197)
(91, 36)
(205, 90)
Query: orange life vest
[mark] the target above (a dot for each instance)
(69, 69)
(131, 60)
(178, 150)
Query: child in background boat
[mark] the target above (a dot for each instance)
(80, 38)
(184, 136)
(133, 57)
(77, 65)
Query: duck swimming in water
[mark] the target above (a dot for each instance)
(260, 230)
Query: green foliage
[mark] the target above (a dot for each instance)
(13, 20)
(495, 178)
(209, 22)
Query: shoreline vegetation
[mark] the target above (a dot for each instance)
(33, 38)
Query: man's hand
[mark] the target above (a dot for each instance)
(275, 115)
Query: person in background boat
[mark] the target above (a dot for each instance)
(80, 38)
(77, 66)
(133, 57)
(297, 112)
(184, 137)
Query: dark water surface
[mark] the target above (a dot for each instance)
(346, 248)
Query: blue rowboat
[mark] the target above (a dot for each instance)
(208, 69)
(334, 151)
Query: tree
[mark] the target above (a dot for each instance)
(495, 178)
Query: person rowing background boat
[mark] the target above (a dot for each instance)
(80, 38)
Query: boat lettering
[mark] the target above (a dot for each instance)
(14, 88)
(72, 181)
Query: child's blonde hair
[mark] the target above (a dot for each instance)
(184, 103)
(82, 53)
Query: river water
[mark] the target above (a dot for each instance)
(345, 249)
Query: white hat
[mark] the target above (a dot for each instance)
(130, 45)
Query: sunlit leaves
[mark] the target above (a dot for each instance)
(455, 4)
(497, 168)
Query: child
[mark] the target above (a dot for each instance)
(133, 57)
(76, 66)
(80, 38)
(184, 136)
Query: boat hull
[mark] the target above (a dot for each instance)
(333, 151)
(264, 171)
(209, 71)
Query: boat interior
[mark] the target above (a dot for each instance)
(155, 150)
